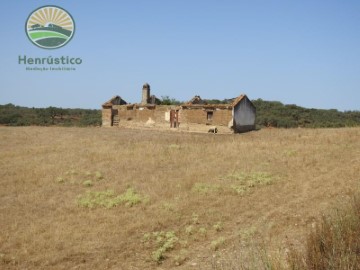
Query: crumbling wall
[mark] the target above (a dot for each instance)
(221, 117)
(160, 114)
(142, 114)
(197, 116)
(107, 117)
(200, 116)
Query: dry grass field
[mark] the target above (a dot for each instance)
(97, 198)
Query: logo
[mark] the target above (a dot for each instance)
(50, 27)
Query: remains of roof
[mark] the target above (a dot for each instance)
(195, 103)
(116, 100)
(198, 103)
(196, 100)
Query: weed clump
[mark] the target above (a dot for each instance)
(202, 231)
(243, 182)
(164, 241)
(216, 244)
(218, 226)
(189, 229)
(205, 188)
(88, 183)
(108, 199)
(98, 175)
(181, 257)
(77, 177)
(238, 182)
(60, 180)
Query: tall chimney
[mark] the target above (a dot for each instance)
(145, 94)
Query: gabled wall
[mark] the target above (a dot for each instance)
(244, 114)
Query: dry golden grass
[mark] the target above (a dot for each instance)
(334, 243)
(202, 196)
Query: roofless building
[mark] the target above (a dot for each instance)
(238, 116)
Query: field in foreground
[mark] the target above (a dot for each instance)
(96, 198)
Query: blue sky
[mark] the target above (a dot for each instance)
(297, 52)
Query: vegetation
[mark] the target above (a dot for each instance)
(108, 198)
(331, 244)
(276, 114)
(239, 182)
(164, 242)
(268, 114)
(64, 193)
(12, 115)
(166, 100)
(334, 243)
(75, 177)
(216, 244)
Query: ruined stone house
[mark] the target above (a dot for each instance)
(239, 116)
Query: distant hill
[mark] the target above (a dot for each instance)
(268, 114)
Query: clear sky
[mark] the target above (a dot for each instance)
(304, 52)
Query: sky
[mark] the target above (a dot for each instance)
(297, 52)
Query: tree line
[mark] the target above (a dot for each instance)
(268, 114)
(276, 114)
(12, 115)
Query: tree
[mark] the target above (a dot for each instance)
(166, 100)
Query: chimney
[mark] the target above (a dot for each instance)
(145, 94)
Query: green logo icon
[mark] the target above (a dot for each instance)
(50, 27)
